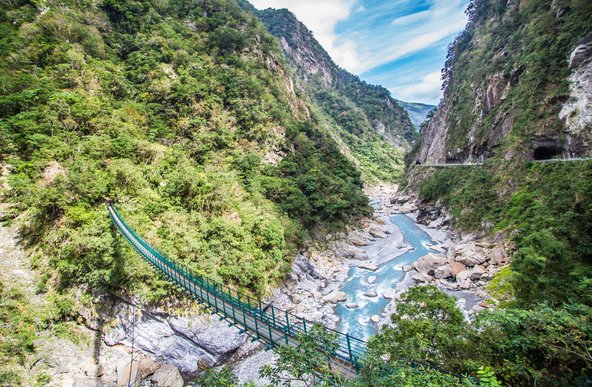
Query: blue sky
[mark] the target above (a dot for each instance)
(399, 44)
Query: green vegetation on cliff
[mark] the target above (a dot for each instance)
(179, 111)
(506, 82)
(507, 74)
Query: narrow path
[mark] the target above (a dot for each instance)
(572, 159)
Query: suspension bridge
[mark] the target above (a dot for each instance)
(269, 324)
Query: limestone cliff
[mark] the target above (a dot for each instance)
(517, 84)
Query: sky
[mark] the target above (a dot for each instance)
(399, 44)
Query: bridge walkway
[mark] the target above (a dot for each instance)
(270, 325)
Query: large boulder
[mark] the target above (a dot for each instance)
(442, 272)
(367, 265)
(303, 268)
(463, 275)
(389, 293)
(168, 376)
(469, 254)
(335, 297)
(498, 256)
(347, 251)
(376, 232)
(422, 277)
(400, 200)
(456, 267)
(357, 240)
(477, 273)
(428, 263)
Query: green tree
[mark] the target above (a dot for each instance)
(307, 362)
(427, 327)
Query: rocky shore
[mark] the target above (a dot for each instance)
(461, 265)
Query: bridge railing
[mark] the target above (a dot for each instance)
(351, 349)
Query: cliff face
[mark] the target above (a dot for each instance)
(316, 70)
(517, 84)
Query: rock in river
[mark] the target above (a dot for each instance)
(389, 293)
(335, 297)
(376, 232)
(367, 265)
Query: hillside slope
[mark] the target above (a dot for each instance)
(185, 115)
(369, 124)
(516, 91)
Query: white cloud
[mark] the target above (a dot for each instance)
(410, 19)
(415, 32)
(321, 17)
(427, 90)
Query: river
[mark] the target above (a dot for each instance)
(356, 320)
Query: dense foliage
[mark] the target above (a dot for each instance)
(540, 334)
(178, 111)
(549, 214)
(539, 346)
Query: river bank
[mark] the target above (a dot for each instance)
(365, 269)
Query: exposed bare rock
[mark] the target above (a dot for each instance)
(335, 297)
(442, 272)
(477, 273)
(348, 251)
(498, 256)
(375, 318)
(376, 232)
(389, 293)
(468, 254)
(423, 277)
(456, 267)
(371, 293)
(185, 342)
(427, 264)
(357, 239)
(167, 376)
(367, 266)
(400, 200)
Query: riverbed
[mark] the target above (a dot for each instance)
(365, 288)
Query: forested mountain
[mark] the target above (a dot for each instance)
(184, 114)
(371, 126)
(516, 84)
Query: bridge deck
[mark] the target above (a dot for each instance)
(270, 325)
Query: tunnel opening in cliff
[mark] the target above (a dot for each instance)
(547, 153)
